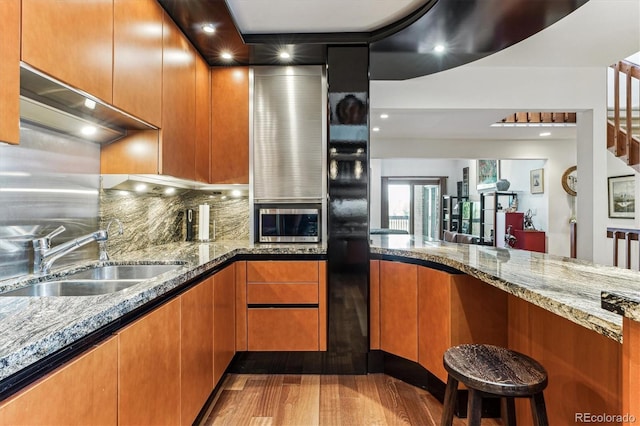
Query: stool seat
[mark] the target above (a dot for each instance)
(488, 370)
(495, 370)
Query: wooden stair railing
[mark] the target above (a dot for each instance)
(627, 235)
(621, 140)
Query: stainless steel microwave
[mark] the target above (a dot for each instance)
(289, 225)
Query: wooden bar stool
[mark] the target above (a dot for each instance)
(492, 371)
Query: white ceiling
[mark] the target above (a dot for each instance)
(593, 35)
(314, 16)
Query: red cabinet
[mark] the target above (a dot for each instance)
(529, 239)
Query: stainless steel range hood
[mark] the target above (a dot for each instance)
(51, 104)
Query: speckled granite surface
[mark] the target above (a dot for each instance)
(34, 327)
(567, 287)
(625, 303)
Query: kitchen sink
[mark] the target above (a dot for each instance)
(122, 272)
(72, 288)
(94, 281)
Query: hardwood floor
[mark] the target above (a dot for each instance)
(301, 400)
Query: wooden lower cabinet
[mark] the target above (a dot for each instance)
(374, 304)
(584, 367)
(456, 309)
(282, 306)
(283, 329)
(631, 368)
(149, 368)
(224, 330)
(399, 309)
(196, 349)
(82, 392)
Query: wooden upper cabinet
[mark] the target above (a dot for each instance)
(137, 58)
(71, 40)
(177, 147)
(203, 120)
(230, 125)
(10, 71)
(82, 392)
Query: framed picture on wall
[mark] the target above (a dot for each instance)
(536, 181)
(622, 197)
(487, 174)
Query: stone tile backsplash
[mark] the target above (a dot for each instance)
(150, 220)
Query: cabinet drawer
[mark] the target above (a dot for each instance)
(282, 271)
(283, 329)
(279, 293)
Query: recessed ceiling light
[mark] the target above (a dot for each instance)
(89, 103)
(376, 129)
(208, 28)
(383, 116)
(141, 187)
(226, 55)
(89, 130)
(439, 48)
(545, 134)
(285, 55)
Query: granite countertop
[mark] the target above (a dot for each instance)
(625, 303)
(35, 327)
(567, 287)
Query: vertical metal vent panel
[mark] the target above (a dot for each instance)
(287, 138)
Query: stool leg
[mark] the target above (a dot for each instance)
(449, 402)
(508, 411)
(539, 410)
(474, 415)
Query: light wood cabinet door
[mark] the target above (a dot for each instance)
(149, 369)
(399, 309)
(137, 58)
(177, 153)
(296, 271)
(82, 392)
(374, 304)
(283, 329)
(203, 120)
(230, 125)
(196, 323)
(224, 332)
(455, 309)
(10, 71)
(71, 40)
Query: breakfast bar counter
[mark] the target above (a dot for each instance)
(554, 305)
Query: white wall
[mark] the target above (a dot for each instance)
(543, 74)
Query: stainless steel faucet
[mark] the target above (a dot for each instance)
(45, 255)
(103, 244)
